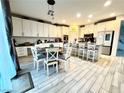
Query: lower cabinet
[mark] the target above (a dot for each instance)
(21, 51)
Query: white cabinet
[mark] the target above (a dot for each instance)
(21, 51)
(101, 27)
(110, 26)
(55, 32)
(51, 31)
(59, 31)
(46, 30)
(27, 27)
(82, 32)
(65, 30)
(17, 26)
(33, 26)
(40, 29)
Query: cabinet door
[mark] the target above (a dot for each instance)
(101, 27)
(21, 51)
(110, 26)
(51, 31)
(65, 30)
(34, 32)
(40, 29)
(17, 26)
(82, 32)
(26, 28)
(59, 31)
(54, 31)
(46, 30)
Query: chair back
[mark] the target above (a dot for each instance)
(68, 52)
(52, 54)
(82, 45)
(34, 53)
(91, 46)
(74, 45)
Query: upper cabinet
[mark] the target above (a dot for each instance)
(46, 30)
(82, 32)
(40, 29)
(59, 31)
(55, 31)
(65, 30)
(17, 26)
(111, 25)
(52, 31)
(27, 27)
(101, 27)
(34, 28)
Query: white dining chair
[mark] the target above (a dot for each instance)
(51, 58)
(36, 58)
(66, 58)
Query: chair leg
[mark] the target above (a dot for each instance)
(87, 56)
(37, 65)
(47, 70)
(65, 66)
(83, 55)
(57, 67)
(44, 66)
(34, 64)
(93, 57)
(69, 63)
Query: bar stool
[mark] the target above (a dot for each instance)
(81, 50)
(74, 49)
(91, 52)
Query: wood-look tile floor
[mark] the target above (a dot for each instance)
(104, 76)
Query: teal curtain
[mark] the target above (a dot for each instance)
(7, 68)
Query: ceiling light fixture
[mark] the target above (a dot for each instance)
(64, 21)
(90, 16)
(89, 20)
(51, 4)
(107, 3)
(78, 15)
(112, 14)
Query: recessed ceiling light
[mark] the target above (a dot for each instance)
(89, 20)
(90, 16)
(112, 14)
(63, 21)
(107, 3)
(78, 15)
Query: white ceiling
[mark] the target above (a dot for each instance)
(67, 9)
